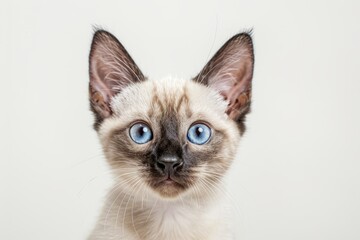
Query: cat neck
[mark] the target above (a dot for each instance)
(151, 217)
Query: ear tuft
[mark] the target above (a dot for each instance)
(230, 72)
(111, 69)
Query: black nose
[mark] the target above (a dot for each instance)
(168, 164)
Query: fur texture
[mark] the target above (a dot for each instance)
(145, 202)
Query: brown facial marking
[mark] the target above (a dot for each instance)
(156, 99)
(184, 101)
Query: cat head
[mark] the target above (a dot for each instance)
(169, 136)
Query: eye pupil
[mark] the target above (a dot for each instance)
(142, 130)
(199, 130)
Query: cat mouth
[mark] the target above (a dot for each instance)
(169, 180)
(168, 186)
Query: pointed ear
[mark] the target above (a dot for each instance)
(111, 69)
(230, 72)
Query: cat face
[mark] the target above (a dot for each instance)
(171, 136)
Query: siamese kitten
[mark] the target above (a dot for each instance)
(169, 142)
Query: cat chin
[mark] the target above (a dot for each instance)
(168, 189)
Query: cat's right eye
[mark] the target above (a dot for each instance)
(140, 133)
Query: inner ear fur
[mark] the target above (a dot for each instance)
(230, 72)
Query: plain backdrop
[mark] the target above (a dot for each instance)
(298, 172)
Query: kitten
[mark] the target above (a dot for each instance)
(169, 142)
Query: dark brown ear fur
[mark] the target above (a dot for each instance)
(230, 72)
(111, 69)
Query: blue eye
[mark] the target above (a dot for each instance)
(199, 134)
(140, 133)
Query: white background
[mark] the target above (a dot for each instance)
(298, 172)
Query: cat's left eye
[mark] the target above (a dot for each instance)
(199, 134)
(140, 133)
